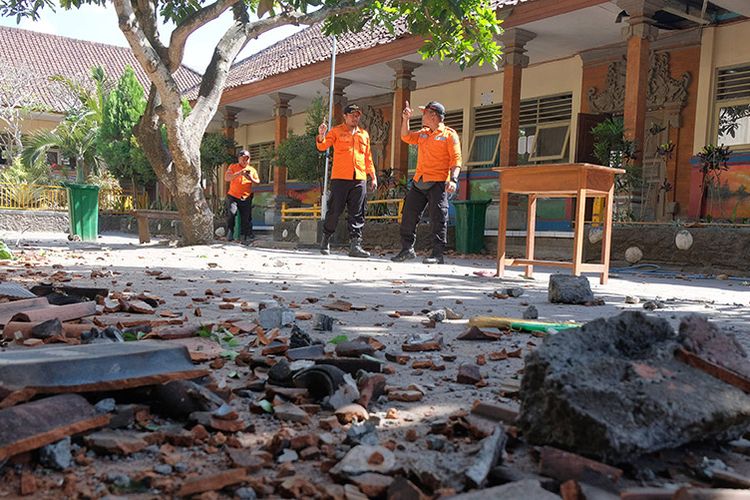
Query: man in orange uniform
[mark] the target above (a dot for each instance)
(241, 177)
(438, 166)
(352, 164)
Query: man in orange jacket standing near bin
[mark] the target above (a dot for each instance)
(352, 164)
(438, 166)
(241, 177)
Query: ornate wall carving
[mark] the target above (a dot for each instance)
(380, 130)
(664, 92)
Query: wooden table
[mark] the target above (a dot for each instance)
(571, 180)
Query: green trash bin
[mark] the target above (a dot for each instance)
(470, 225)
(83, 210)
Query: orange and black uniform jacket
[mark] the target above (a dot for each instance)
(241, 187)
(439, 152)
(352, 158)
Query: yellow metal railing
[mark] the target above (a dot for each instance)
(313, 212)
(47, 197)
(399, 209)
(300, 213)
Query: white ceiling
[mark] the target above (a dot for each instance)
(557, 38)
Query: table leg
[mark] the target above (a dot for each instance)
(530, 230)
(607, 234)
(502, 228)
(578, 234)
(144, 235)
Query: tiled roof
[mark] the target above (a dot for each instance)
(310, 46)
(45, 55)
(306, 47)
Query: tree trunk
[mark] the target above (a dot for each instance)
(195, 214)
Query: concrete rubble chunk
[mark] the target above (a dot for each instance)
(322, 322)
(528, 489)
(530, 312)
(566, 289)
(275, 317)
(490, 452)
(96, 367)
(365, 458)
(56, 455)
(346, 393)
(613, 390)
(46, 329)
(291, 413)
(30, 426)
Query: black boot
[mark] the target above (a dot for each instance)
(356, 250)
(325, 245)
(435, 258)
(404, 255)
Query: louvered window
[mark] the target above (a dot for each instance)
(485, 142)
(732, 119)
(261, 157)
(453, 119)
(544, 124)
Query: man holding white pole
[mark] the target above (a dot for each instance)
(352, 164)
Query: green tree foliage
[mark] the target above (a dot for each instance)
(76, 135)
(298, 152)
(215, 151)
(116, 143)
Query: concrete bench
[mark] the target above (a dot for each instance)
(143, 216)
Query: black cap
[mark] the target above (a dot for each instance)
(244, 152)
(434, 106)
(352, 108)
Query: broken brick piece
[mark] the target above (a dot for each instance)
(212, 482)
(116, 442)
(563, 465)
(28, 483)
(32, 425)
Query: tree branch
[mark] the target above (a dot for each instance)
(192, 23)
(153, 64)
(144, 11)
(215, 76)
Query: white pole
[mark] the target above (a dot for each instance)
(324, 194)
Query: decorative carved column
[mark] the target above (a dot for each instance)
(229, 125)
(339, 100)
(403, 84)
(281, 113)
(639, 33)
(515, 59)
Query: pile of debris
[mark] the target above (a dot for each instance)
(254, 405)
